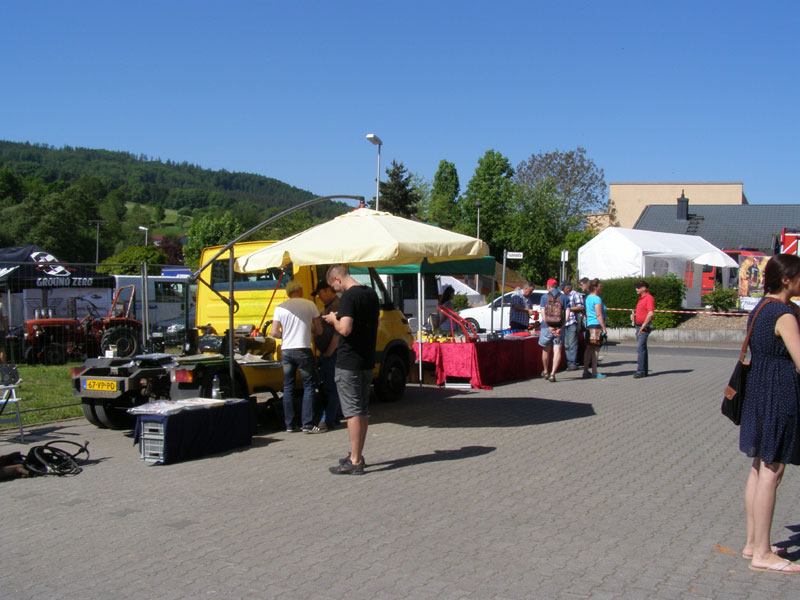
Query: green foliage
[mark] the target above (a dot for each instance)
(491, 186)
(397, 194)
(210, 231)
(573, 240)
(460, 302)
(49, 195)
(722, 299)
(443, 209)
(667, 291)
(133, 258)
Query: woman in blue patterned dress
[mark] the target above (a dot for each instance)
(770, 429)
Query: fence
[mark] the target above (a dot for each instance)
(67, 311)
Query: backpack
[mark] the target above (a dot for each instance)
(553, 311)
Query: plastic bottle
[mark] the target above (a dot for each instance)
(216, 393)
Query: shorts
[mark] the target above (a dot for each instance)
(353, 388)
(546, 337)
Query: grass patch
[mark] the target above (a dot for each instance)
(43, 387)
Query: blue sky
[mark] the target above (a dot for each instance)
(655, 91)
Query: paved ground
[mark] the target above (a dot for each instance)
(618, 488)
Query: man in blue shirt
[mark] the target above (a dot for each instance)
(554, 310)
(520, 308)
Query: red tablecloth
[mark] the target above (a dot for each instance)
(485, 363)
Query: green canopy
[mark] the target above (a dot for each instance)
(472, 266)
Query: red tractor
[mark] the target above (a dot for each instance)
(51, 341)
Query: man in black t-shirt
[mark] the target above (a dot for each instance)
(357, 323)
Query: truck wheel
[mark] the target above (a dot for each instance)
(391, 382)
(124, 338)
(88, 411)
(114, 418)
(54, 354)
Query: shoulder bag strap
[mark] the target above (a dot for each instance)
(743, 353)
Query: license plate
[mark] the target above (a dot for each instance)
(99, 385)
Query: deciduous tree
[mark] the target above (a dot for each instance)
(492, 186)
(578, 181)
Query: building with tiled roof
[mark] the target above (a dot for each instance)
(730, 227)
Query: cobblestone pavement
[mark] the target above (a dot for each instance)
(615, 488)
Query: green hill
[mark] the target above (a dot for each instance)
(48, 196)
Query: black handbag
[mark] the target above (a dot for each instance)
(733, 396)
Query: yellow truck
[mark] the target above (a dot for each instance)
(109, 386)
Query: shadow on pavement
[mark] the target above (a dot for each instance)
(438, 455)
(431, 407)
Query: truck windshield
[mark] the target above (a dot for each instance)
(266, 280)
(372, 280)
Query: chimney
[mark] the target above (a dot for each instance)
(683, 208)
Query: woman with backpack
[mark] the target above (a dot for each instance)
(596, 328)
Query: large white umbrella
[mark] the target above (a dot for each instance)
(367, 238)
(715, 258)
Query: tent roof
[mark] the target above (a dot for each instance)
(479, 266)
(619, 252)
(30, 267)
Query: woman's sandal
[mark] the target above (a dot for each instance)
(781, 567)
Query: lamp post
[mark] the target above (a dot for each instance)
(377, 141)
(97, 222)
(146, 230)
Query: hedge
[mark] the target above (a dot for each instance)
(668, 292)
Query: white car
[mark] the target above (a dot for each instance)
(481, 316)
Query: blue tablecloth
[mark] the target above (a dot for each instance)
(202, 431)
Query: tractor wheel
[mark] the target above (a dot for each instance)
(87, 406)
(391, 382)
(114, 418)
(124, 338)
(54, 354)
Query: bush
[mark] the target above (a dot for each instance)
(460, 302)
(722, 299)
(668, 292)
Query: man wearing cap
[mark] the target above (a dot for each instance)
(293, 322)
(327, 343)
(572, 325)
(550, 335)
(642, 317)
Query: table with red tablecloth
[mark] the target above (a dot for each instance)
(485, 363)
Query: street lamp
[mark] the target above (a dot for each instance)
(97, 222)
(377, 141)
(146, 230)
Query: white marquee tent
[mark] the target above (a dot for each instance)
(617, 252)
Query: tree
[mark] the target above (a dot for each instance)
(422, 187)
(397, 194)
(443, 209)
(133, 258)
(492, 186)
(210, 231)
(173, 250)
(158, 212)
(579, 182)
(533, 228)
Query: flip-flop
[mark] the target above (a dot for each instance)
(776, 550)
(777, 568)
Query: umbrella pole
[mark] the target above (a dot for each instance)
(420, 312)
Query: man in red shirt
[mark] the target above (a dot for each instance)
(645, 311)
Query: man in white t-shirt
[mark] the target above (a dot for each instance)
(294, 321)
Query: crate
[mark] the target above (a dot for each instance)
(152, 428)
(151, 448)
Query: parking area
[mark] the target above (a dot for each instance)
(615, 488)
